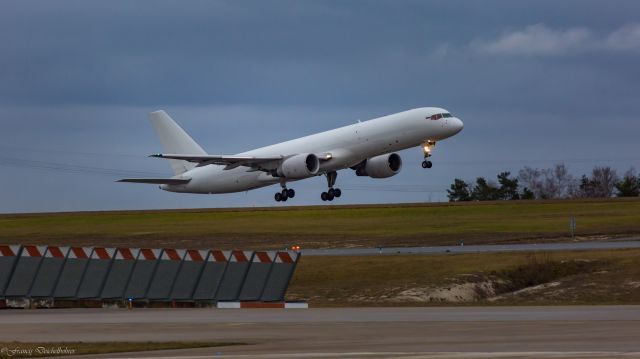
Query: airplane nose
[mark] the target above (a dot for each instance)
(456, 125)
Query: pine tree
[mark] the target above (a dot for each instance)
(629, 186)
(508, 186)
(527, 194)
(484, 191)
(459, 191)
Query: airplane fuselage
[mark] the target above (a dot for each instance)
(346, 146)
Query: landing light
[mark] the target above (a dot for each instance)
(427, 147)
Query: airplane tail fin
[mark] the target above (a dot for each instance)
(174, 140)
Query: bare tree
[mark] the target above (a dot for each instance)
(566, 185)
(531, 177)
(549, 183)
(604, 181)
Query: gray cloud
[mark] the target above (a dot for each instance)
(626, 38)
(539, 39)
(78, 78)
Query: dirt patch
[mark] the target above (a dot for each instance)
(526, 291)
(539, 274)
(456, 293)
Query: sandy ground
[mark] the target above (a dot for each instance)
(467, 332)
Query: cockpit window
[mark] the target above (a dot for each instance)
(440, 115)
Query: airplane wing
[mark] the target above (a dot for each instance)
(259, 163)
(263, 163)
(174, 181)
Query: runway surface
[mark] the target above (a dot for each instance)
(487, 248)
(463, 332)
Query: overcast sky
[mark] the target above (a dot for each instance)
(536, 83)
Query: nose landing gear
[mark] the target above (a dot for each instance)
(427, 147)
(332, 192)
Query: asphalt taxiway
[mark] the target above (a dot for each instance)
(431, 332)
(484, 248)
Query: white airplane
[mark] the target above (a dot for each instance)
(367, 147)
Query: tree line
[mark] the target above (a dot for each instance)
(547, 183)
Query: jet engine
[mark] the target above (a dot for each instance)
(382, 166)
(299, 166)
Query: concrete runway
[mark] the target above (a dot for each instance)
(448, 332)
(486, 248)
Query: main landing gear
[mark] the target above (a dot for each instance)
(427, 147)
(285, 194)
(332, 192)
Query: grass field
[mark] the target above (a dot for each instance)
(35, 350)
(329, 226)
(576, 277)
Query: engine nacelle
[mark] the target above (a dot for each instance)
(382, 166)
(299, 166)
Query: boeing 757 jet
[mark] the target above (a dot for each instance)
(366, 147)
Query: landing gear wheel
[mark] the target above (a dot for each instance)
(284, 193)
(332, 192)
(291, 193)
(278, 197)
(427, 164)
(284, 199)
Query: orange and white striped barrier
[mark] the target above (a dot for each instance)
(104, 253)
(79, 253)
(9, 250)
(149, 254)
(33, 251)
(129, 254)
(221, 256)
(284, 257)
(239, 256)
(56, 252)
(194, 255)
(263, 257)
(169, 254)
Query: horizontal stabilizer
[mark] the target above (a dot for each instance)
(175, 181)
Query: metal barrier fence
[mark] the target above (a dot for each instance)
(132, 274)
